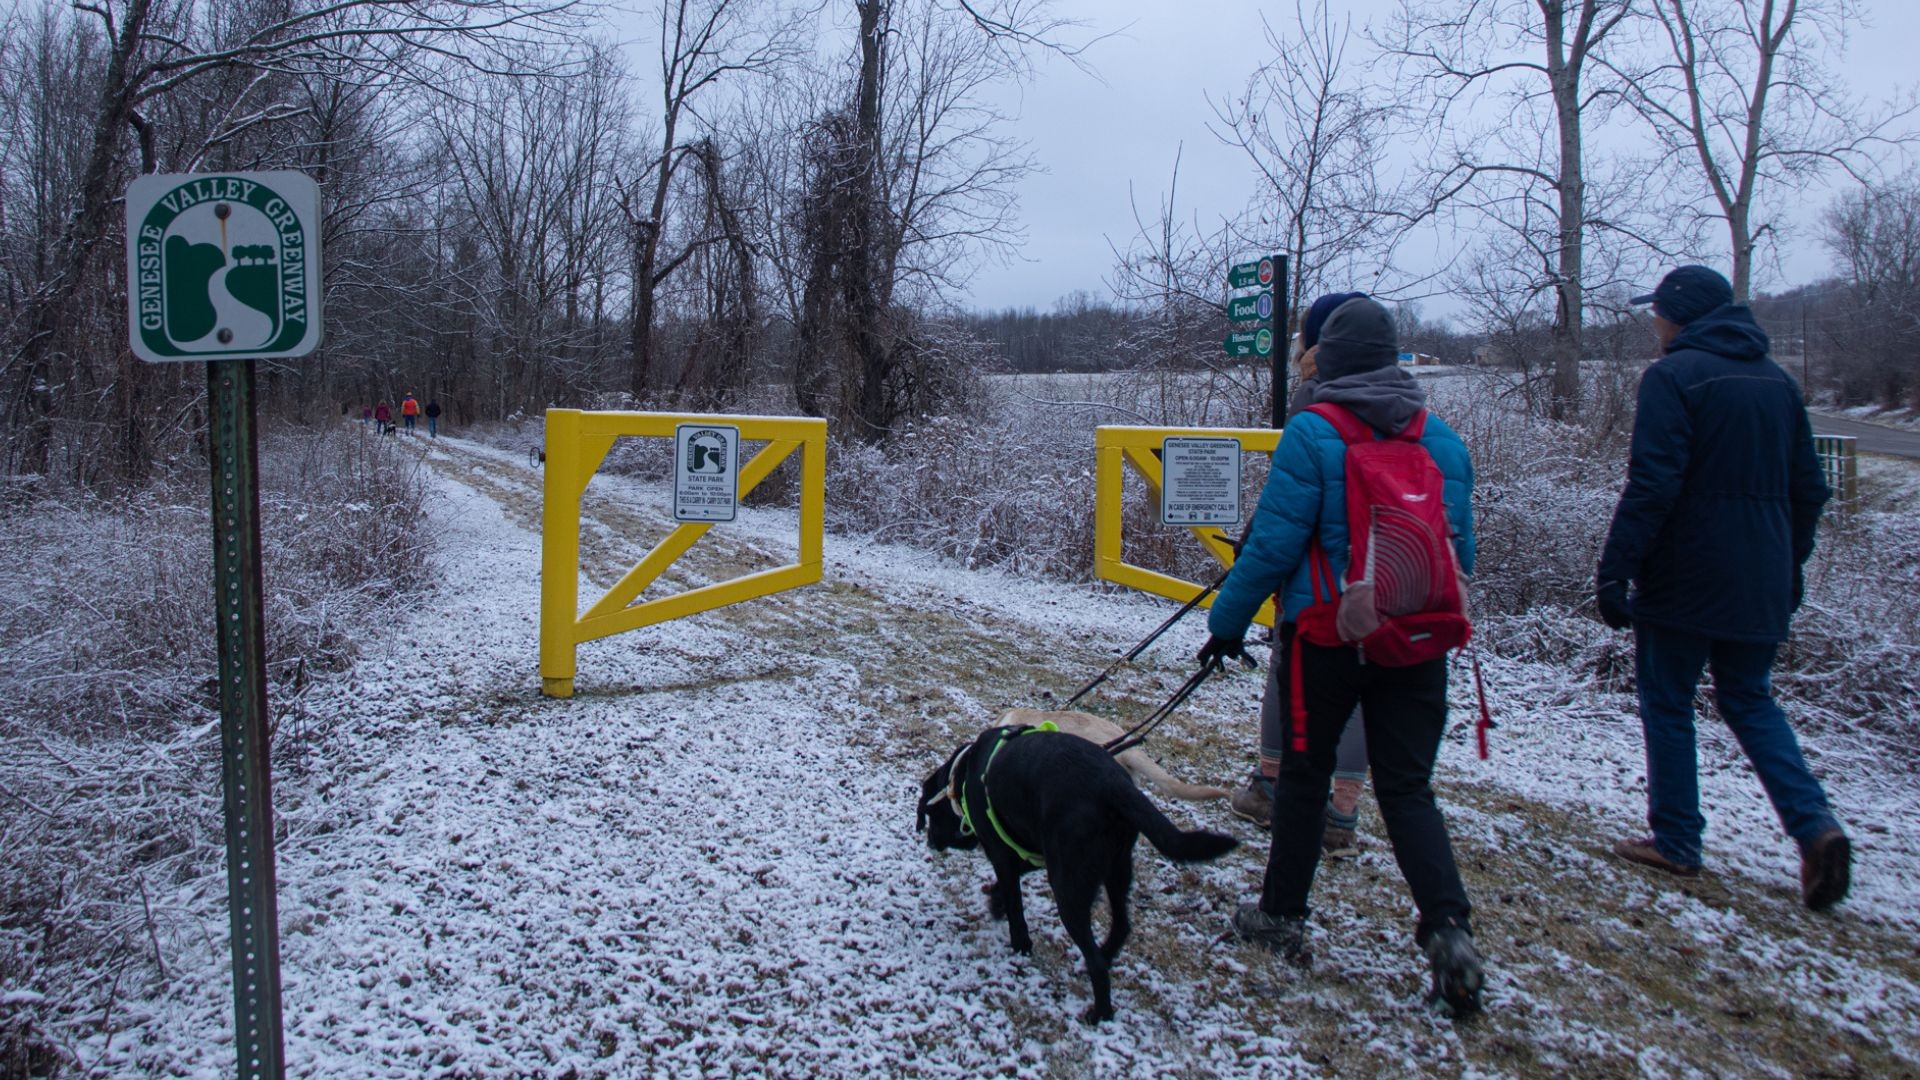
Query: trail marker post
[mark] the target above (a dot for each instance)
(225, 268)
(1268, 308)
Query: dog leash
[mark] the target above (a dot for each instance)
(1145, 727)
(1150, 638)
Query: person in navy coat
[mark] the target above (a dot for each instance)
(1704, 560)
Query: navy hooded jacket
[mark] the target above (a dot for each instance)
(1723, 488)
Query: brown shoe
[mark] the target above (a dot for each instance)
(1826, 869)
(1255, 801)
(1642, 850)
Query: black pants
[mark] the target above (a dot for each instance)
(1405, 712)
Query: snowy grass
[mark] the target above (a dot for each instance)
(109, 732)
(704, 862)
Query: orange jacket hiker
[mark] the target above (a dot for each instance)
(409, 407)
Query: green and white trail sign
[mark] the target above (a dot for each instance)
(223, 265)
(225, 268)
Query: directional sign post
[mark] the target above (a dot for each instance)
(1267, 307)
(225, 268)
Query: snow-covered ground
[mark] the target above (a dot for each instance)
(705, 863)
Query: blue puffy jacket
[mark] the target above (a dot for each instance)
(1306, 494)
(1723, 488)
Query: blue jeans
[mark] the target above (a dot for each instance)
(1668, 664)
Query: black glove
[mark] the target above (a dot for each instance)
(1799, 586)
(1614, 609)
(1218, 650)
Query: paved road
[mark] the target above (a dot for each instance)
(1874, 439)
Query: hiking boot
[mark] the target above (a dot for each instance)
(1283, 935)
(1255, 801)
(1645, 852)
(1337, 840)
(1826, 869)
(1457, 972)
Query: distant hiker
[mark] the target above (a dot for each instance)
(409, 408)
(433, 419)
(383, 416)
(1300, 543)
(366, 414)
(1722, 500)
(1255, 801)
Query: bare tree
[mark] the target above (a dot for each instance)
(908, 182)
(535, 166)
(1170, 275)
(703, 44)
(1520, 54)
(1317, 137)
(153, 51)
(1744, 96)
(1875, 235)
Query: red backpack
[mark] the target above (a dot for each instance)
(1405, 596)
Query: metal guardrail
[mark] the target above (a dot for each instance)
(1840, 466)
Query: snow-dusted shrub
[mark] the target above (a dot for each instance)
(1012, 491)
(1543, 495)
(109, 730)
(1855, 651)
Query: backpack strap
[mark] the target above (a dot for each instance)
(1353, 430)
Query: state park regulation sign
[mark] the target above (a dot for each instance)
(223, 266)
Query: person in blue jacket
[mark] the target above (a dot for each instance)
(1404, 708)
(1255, 801)
(1704, 559)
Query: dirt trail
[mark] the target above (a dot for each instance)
(1597, 967)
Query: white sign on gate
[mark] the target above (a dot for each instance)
(1200, 481)
(223, 266)
(706, 472)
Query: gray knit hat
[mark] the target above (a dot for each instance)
(1359, 336)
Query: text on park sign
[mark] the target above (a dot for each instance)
(1200, 481)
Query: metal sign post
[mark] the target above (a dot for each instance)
(1278, 288)
(225, 268)
(245, 752)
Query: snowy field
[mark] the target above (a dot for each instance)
(705, 864)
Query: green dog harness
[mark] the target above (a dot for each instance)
(966, 819)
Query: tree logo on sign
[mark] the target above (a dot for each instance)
(707, 452)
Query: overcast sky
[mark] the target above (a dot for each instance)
(1095, 140)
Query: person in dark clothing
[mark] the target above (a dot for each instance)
(1404, 708)
(1704, 559)
(433, 419)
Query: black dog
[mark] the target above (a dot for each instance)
(1030, 793)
